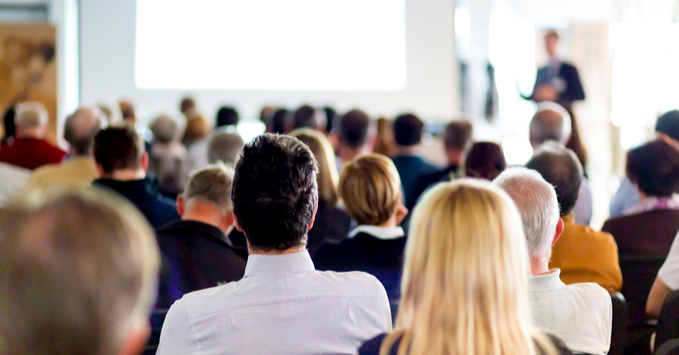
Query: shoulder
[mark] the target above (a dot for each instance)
(354, 283)
(569, 67)
(590, 234)
(591, 292)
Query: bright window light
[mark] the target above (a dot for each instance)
(518, 150)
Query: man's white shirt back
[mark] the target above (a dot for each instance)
(281, 306)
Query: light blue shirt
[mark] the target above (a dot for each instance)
(281, 306)
(626, 197)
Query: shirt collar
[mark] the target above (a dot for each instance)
(655, 203)
(267, 265)
(547, 282)
(384, 233)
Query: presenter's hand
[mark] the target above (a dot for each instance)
(545, 93)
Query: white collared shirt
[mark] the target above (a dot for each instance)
(384, 233)
(281, 306)
(580, 314)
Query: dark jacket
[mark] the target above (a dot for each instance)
(331, 224)
(144, 194)
(570, 77)
(427, 181)
(410, 169)
(195, 256)
(647, 233)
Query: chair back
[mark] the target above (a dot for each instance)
(638, 274)
(668, 320)
(669, 348)
(619, 330)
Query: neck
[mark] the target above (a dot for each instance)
(295, 249)
(31, 132)
(391, 223)
(454, 157)
(202, 212)
(539, 265)
(127, 175)
(642, 196)
(411, 150)
(348, 154)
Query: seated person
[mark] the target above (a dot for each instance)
(580, 314)
(408, 130)
(168, 159)
(79, 275)
(29, 149)
(282, 305)
(582, 254)
(196, 249)
(465, 279)
(650, 227)
(122, 162)
(371, 189)
(485, 160)
(355, 136)
(332, 223)
(224, 147)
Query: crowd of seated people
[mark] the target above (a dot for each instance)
(330, 233)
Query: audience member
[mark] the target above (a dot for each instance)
(649, 228)
(122, 163)
(197, 129)
(331, 223)
(385, 143)
(226, 116)
(408, 135)
(485, 160)
(465, 279)
(457, 140)
(330, 116)
(666, 281)
(305, 117)
(279, 124)
(580, 314)
(354, 136)
(129, 115)
(266, 117)
(282, 305)
(552, 123)
(627, 196)
(79, 170)
(582, 254)
(110, 118)
(187, 104)
(225, 147)
(168, 159)
(196, 247)
(78, 276)
(371, 189)
(29, 149)
(8, 128)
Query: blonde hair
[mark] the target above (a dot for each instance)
(371, 189)
(31, 114)
(465, 276)
(325, 156)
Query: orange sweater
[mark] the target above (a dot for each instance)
(585, 255)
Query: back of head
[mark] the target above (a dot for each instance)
(30, 114)
(80, 129)
(560, 167)
(127, 110)
(354, 127)
(164, 129)
(465, 274)
(212, 185)
(328, 176)
(196, 129)
(186, 104)
(305, 117)
(225, 147)
(536, 201)
(371, 189)
(654, 168)
(227, 116)
(458, 135)
(668, 124)
(485, 160)
(278, 121)
(109, 116)
(275, 192)
(118, 148)
(408, 130)
(550, 122)
(385, 143)
(77, 274)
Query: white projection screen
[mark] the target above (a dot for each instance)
(384, 56)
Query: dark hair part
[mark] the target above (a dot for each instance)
(458, 134)
(118, 148)
(278, 121)
(668, 124)
(275, 191)
(408, 130)
(485, 160)
(330, 116)
(560, 167)
(305, 117)
(353, 129)
(227, 116)
(186, 104)
(654, 167)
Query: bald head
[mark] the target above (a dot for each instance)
(80, 129)
(551, 122)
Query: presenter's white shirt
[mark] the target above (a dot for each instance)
(580, 314)
(669, 272)
(281, 306)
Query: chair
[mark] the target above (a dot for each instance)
(157, 319)
(668, 320)
(669, 348)
(619, 330)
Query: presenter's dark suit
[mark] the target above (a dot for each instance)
(565, 81)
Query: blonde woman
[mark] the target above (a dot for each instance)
(331, 223)
(465, 279)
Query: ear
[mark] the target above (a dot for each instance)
(181, 205)
(145, 161)
(559, 230)
(136, 341)
(100, 170)
(401, 212)
(230, 219)
(313, 218)
(238, 227)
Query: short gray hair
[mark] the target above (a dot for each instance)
(31, 114)
(212, 185)
(164, 129)
(224, 147)
(537, 203)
